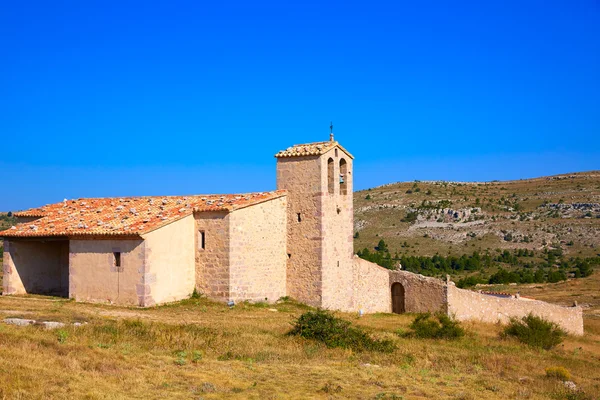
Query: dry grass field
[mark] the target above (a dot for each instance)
(205, 350)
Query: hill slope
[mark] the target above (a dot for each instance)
(457, 218)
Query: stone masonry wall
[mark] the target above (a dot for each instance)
(337, 233)
(371, 287)
(212, 262)
(258, 256)
(469, 305)
(301, 177)
(170, 269)
(93, 276)
(421, 293)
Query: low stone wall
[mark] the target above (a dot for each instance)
(469, 305)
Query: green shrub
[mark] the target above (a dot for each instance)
(325, 327)
(62, 336)
(437, 326)
(560, 373)
(535, 331)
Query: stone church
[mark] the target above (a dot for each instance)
(296, 241)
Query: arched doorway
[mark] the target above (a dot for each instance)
(398, 298)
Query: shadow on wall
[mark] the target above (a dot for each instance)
(40, 267)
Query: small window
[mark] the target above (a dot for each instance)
(299, 217)
(289, 255)
(330, 176)
(336, 154)
(202, 240)
(117, 256)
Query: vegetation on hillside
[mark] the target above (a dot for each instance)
(436, 326)
(7, 220)
(453, 216)
(518, 266)
(323, 326)
(535, 331)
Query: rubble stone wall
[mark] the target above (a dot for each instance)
(469, 305)
(421, 293)
(212, 261)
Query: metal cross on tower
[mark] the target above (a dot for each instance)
(331, 131)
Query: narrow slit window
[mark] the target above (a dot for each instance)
(299, 217)
(202, 240)
(330, 176)
(117, 256)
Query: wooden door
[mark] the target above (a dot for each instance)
(398, 298)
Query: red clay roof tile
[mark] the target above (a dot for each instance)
(310, 149)
(124, 216)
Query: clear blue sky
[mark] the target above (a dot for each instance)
(150, 98)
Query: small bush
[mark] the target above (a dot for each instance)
(560, 373)
(62, 336)
(437, 326)
(535, 332)
(325, 327)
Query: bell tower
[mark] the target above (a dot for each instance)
(318, 178)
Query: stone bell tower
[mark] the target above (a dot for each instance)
(318, 178)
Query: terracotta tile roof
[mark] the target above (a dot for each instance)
(310, 149)
(124, 216)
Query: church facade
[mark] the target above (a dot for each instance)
(296, 241)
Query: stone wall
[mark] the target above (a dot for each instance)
(337, 228)
(212, 261)
(36, 266)
(258, 257)
(94, 277)
(421, 293)
(371, 287)
(301, 177)
(170, 270)
(469, 305)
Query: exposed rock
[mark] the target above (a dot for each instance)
(19, 321)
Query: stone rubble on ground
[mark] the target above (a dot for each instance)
(45, 324)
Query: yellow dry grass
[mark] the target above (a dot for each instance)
(201, 349)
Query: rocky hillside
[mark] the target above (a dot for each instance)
(455, 218)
